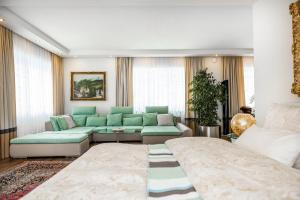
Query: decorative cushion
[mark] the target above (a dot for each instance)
(134, 121)
(157, 109)
(69, 121)
(150, 119)
(96, 121)
(84, 110)
(165, 120)
(54, 123)
(79, 120)
(114, 119)
(283, 117)
(63, 125)
(280, 145)
(123, 110)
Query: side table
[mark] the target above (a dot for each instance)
(118, 132)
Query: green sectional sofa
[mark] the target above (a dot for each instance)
(133, 125)
(100, 128)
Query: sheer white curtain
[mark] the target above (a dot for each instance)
(248, 63)
(34, 96)
(159, 82)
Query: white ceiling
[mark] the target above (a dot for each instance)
(119, 27)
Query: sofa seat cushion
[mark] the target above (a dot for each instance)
(100, 129)
(78, 130)
(49, 138)
(161, 131)
(127, 129)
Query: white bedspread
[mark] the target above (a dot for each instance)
(107, 171)
(218, 170)
(222, 170)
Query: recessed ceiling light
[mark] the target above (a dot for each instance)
(1, 19)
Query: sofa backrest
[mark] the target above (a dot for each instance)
(157, 109)
(123, 110)
(84, 110)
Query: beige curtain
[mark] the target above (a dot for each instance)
(233, 71)
(124, 93)
(7, 92)
(58, 85)
(192, 66)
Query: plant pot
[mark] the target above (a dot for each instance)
(210, 131)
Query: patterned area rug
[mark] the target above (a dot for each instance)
(20, 180)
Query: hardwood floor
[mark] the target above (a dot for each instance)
(10, 163)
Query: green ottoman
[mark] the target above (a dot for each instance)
(49, 144)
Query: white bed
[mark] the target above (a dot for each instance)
(218, 170)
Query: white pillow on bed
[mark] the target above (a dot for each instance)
(280, 145)
(283, 117)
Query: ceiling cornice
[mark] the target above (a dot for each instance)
(30, 32)
(116, 3)
(160, 52)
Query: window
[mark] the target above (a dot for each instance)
(159, 82)
(249, 81)
(33, 75)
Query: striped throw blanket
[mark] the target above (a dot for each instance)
(166, 179)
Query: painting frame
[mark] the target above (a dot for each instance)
(73, 97)
(295, 12)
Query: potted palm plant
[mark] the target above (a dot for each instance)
(207, 94)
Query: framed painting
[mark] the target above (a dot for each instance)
(88, 86)
(295, 12)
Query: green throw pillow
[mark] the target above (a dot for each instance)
(133, 121)
(150, 119)
(114, 119)
(63, 125)
(96, 121)
(54, 123)
(79, 120)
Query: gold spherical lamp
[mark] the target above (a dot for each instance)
(240, 122)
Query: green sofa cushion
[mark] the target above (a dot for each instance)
(79, 130)
(100, 129)
(127, 129)
(54, 123)
(133, 121)
(49, 138)
(114, 119)
(95, 121)
(84, 110)
(63, 125)
(123, 110)
(132, 115)
(161, 131)
(150, 119)
(79, 120)
(157, 109)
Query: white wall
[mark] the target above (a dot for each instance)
(108, 65)
(272, 53)
(91, 64)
